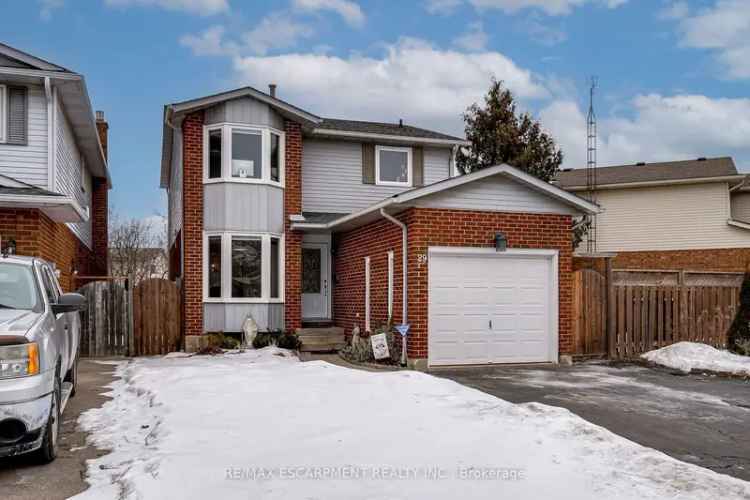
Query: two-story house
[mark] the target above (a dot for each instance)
(688, 214)
(298, 220)
(53, 167)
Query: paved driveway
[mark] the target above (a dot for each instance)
(21, 478)
(700, 419)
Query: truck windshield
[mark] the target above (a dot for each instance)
(17, 287)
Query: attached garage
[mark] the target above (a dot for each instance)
(486, 306)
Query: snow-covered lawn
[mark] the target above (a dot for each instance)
(687, 356)
(263, 425)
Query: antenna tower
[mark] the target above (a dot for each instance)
(591, 181)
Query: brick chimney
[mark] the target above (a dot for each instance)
(100, 208)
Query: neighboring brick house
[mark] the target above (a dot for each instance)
(680, 215)
(300, 221)
(54, 180)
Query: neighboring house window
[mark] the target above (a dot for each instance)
(367, 294)
(393, 166)
(390, 285)
(3, 111)
(243, 267)
(236, 153)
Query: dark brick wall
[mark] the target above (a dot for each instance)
(293, 239)
(725, 259)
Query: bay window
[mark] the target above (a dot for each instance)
(239, 153)
(243, 267)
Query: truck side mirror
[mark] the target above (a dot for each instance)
(70, 302)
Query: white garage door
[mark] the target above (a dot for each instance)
(492, 307)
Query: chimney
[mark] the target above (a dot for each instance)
(401, 122)
(272, 89)
(102, 127)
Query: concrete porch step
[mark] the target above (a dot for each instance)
(321, 339)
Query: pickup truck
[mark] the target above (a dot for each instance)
(40, 331)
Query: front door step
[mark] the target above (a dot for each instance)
(321, 339)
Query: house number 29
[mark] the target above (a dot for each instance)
(421, 258)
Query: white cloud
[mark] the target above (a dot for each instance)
(724, 28)
(474, 39)
(549, 7)
(413, 80)
(662, 128)
(276, 31)
(200, 7)
(48, 7)
(348, 10)
(541, 32)
(677, 10)
(209, 43)
(442, 7)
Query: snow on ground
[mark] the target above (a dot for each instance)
(688, 356)
(263, 425)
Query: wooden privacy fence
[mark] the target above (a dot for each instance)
(120, 321)
(105, 324)
(625, 313)
(156, 317)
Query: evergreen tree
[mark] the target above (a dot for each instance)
(499, 135)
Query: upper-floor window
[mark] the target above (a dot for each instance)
(13, 115)
(237, 153)
(393, 166)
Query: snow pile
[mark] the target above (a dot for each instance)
(263, 425)
(687, 356)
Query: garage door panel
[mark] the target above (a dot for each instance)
(489, 308)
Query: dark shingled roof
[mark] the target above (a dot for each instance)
(383, 129)
(27, 191)
(320, 217)
(651, 172)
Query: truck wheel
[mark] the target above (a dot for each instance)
(48, 451)
(72, 377)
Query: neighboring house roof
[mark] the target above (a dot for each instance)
(354, 128)
(405, 199)
(71, 90)
(60, 208)
(673, 172)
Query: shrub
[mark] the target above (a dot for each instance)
(263, 339)
(230, 343)
(360, 347)
(738, 338)
(288, 340)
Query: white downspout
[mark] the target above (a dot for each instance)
(405, 265)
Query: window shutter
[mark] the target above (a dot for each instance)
(17, 115)
(368, 163)
(417, 166)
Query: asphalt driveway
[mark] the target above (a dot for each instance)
(699, 419)
(21, 478)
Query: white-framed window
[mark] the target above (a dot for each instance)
(243, 267)
(393, 166)
(367, 294)
(241, 153)
(390, 285)
(3, 112)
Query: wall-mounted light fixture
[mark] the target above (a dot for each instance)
(501, 243)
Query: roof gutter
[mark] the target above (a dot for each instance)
(740, 185)
(625, 185)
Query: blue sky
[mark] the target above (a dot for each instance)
(673, 75)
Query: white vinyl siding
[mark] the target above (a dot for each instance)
(174, 192)
(28, 163)
(332, 176)
(68, 173)
(741, 207)
(498, 194)
(672, 217)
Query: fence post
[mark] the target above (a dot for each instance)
(611, 309)
(131, 333)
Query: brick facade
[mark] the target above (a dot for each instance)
(725, 259)
(293, 239)
(192, 223)
(437, 227)
(100, 209)
(37, 235)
